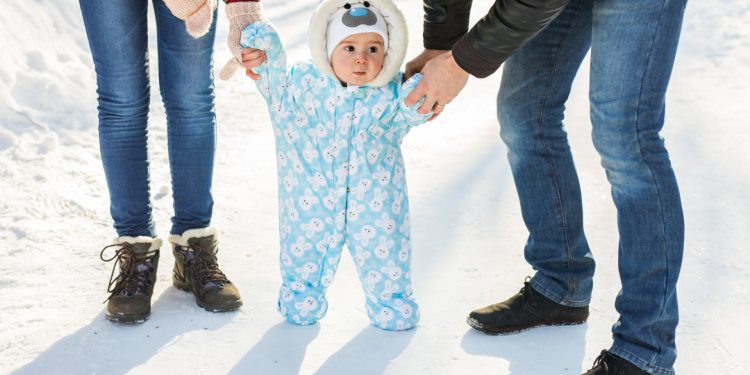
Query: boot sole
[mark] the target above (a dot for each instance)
(128, 319)
(503, 331)
(223, 308)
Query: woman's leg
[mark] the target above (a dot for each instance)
(633, 50)
(187, 87)
(116, 31)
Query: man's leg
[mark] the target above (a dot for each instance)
(536, 83)
(633, 50)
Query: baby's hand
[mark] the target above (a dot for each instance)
(252, 58)
(240, 15)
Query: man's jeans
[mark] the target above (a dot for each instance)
(117, 34)
(633, 44)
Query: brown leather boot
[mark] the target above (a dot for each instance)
(196, 270)
(129, 301)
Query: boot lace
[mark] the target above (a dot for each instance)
(205, 265)
(134, 273)
(528, 293)
(601, 360)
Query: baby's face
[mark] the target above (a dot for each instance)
(357, 60)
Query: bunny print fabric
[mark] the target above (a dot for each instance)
(341, 182)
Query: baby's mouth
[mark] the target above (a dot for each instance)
(359, 74)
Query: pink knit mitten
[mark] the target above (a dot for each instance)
(197, 14)
(240, 14)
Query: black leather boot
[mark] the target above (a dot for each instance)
(610, 364)
(527, 309)
(196, 270)
(129, 301)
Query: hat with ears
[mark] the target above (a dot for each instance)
(334, 20)
(354, 19)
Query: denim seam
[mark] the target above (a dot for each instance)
(546, 149)
(621, 352)
(651, 173)
(547, 292)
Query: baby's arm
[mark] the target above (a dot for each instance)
(273, 75)
(407, 116)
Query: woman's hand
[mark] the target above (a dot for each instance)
(241, 14)
(197, 14)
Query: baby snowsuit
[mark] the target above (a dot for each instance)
(341, 181)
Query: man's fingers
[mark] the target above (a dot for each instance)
(429, 103)
(430, 100)
(416, 94)
(437, 109)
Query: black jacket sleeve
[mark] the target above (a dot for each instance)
(505, 28)
(445, 21)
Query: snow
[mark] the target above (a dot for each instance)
(467, 230)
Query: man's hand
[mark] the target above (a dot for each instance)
(416, 64)
(443, 80)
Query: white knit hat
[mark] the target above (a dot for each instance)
(394, 41)
(354, 19)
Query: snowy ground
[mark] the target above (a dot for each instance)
(467, 227)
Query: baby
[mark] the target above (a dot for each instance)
(338, 122)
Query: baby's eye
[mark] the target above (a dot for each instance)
(372, 49)
(349, 48)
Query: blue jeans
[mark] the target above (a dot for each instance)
(117, 34)
(633, 44)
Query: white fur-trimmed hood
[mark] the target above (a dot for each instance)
(397, 37)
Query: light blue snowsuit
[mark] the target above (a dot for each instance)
(341, 181)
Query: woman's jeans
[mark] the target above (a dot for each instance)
(117, 34)
(633, 44)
